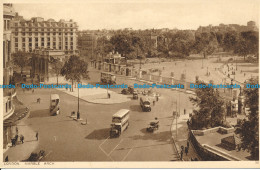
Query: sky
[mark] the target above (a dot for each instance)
(181, 14)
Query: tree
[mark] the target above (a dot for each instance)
(249, 130)
(205, 43)
(181, 43)
(21, 59)
(230, 40)
(210, 110)
(164, 44)
(248, 44)
(122, 44)
(57, 66)
(75, 69)
(103, 46)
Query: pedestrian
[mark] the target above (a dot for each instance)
(6, 159)
(37, 136)
(154, 102)
(21, 138)
(157, 98)
(32, 90)
(108, 94)
(16, 138)
(186, 151)
(182, 147)
(13, 143)
(181, 154)
(184, 111)
(16, 130)
(188, 144)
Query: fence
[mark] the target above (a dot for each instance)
(140, 74)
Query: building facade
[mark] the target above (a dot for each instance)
(7, 69)
(8, 106)
(39, 34)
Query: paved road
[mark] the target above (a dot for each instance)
(64, 139)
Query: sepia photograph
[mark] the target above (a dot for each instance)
(118, 83)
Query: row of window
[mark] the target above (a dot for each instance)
(42, 39)
(36, 34)
(30, 30)
(42, 45)
(42, 25)
(6, 25)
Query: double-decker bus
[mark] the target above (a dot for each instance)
(120, 122)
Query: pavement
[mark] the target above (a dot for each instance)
(180, 137)
(91, 142)
(97, 95)
(22, 151)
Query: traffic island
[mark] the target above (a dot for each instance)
(98, 96)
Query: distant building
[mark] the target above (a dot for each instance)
(251, 26)
(86, 44)
(37, 33)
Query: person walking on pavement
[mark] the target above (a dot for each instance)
(154, 103)
(16, 139)
(186, 150)
(188, 144)
(21, 138)
(6, 159)
(37, 136)
(13, 141)
(181, 154)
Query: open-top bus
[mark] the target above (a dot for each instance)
(120, 122)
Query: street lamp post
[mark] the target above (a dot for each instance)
(78, 114)
(176, 115)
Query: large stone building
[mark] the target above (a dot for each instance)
(7, 69)
(8, 106)
(37, 33)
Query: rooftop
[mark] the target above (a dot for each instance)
(214, 140)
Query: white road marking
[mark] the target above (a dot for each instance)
(105, 153)
(103, 149)
(127, 154)
(115, 147)
(104, 141)
(48, 154)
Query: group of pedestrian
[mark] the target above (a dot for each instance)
(14, 140)
(185, 149)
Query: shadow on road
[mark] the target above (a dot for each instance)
(136, 108)
(158, 136)
(99, 134)
(40, 113)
